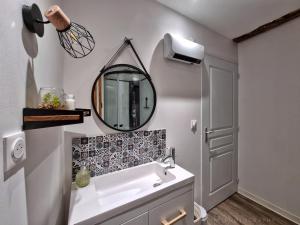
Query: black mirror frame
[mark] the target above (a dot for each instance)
(151, 83)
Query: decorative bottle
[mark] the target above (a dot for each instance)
(83, 176)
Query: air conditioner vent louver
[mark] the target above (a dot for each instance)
(186, 58)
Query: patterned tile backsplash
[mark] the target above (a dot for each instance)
(108, 153)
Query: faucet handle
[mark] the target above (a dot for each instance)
(172, 154)
(172, 151)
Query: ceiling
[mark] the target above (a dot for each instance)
(232, 18)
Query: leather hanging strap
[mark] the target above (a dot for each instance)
(127, 42)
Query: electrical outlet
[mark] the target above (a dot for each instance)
(14, 149)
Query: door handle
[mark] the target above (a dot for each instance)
(182, 214)
(207, 132)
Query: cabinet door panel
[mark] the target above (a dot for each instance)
(140, 220)
(173, 210)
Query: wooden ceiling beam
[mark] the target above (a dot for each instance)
(268, 26)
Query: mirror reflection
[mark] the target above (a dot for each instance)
(124, 97)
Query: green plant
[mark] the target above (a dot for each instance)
(50, 101)
(47, 98)
(55, 101)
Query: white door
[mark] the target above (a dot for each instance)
(219, 131)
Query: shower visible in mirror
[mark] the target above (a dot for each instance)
(124, 97)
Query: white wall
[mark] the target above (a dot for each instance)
(269, 117)
(178, 85)
(33, 194)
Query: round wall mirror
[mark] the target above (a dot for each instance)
(124, 97)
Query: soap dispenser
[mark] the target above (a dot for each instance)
(83, 176)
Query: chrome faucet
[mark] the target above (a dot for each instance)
(171, 160)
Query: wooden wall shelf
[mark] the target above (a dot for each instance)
(41, 118)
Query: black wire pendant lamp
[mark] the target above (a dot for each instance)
(74, 38)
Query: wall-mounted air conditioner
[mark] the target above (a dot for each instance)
(180, 49)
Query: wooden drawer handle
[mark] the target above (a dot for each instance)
(182, 214)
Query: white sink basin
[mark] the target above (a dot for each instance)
(122, 185)
(107, 194)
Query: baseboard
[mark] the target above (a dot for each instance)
(270, 206)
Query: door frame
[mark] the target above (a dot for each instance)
(205, 106)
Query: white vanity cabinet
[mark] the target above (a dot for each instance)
(175, 208)
(178, 211)
(142, 195)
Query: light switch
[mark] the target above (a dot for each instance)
(194, 125)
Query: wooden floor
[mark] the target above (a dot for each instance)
(239, 210)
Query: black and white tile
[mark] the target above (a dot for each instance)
(112, 152)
